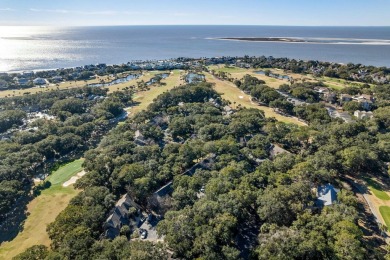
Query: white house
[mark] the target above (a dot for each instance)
(39, 81)
(366, 101)
(326, 94)
(363, 114)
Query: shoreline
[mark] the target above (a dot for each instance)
(264, 39)
(367, 42)
(292, 40)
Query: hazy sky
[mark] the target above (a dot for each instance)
(160, 12)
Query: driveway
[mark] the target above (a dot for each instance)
(151, 229)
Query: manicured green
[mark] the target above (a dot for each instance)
(65, 172)
(385, 212)
(145, 98)
(340, 83)
(227, 69)
(336, 87)
(377, 190)
(43, 210)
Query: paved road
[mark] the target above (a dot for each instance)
(362, 190)
(291, 99)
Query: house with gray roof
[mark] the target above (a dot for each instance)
(39, 81)
(326, 195)
(119, 217)
(139, 138)
(275, 150)
(21, 81)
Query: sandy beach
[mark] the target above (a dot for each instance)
(263, 39)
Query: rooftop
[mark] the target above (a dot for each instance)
(327, 194)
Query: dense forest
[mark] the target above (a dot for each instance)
(245, 203)
(74, 122)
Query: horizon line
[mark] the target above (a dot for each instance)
(114, 25)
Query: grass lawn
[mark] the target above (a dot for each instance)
(239, 73)
(376, 189)
(333, 83)
(62, 85)
(42, 211)
(65, 172)
(76, 84)
(230, 69)
(385, 212)
(333, 86)
(146, 97)
(145, 77)
(342, 82)
(230, 92)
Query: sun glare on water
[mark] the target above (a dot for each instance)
(16, 45)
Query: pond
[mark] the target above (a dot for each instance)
(157, 78)
(194, 77)
(116, 81)
(277, 76)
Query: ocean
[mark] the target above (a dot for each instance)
(37, 48)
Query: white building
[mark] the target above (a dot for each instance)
(365, 101)
(363, 114)
(39, 81)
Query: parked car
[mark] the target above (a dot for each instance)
(144, 234)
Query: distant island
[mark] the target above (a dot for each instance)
(263, 39)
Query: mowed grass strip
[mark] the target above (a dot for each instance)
(239, 73)
(385, 212)
(43, 210)
(377, 190)
(145, 98)
(145, 77)
(230, 92)
(78, 84)
(334, 83)
(52, 87)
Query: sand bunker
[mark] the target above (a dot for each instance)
(74, 179)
